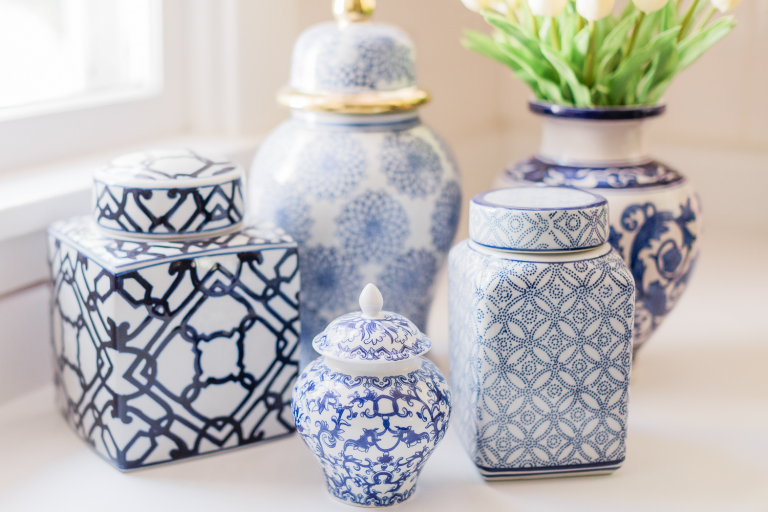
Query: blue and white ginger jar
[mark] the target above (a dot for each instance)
(369, 192)
(541, 315)
(372, 409)
(655, 214)
(175, 326)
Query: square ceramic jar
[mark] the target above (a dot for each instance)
(176, 345)
(541, 319)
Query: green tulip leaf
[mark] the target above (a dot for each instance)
(693, 46)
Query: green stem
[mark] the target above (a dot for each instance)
(707, 18)
(635, 30)
(589, 60)
(579, 23)
(687, 20)
(553, 32)
(534, 23)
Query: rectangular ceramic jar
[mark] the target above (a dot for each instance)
(541, 319)
(167, 349)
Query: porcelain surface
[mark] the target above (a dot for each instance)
(540, 361)
(511, 219)
(655, 216)
(368, 199)
(372, 417)
(372, 434)
(352, 58)
(166, 193)
(169, 350)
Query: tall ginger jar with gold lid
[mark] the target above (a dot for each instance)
(368, 191)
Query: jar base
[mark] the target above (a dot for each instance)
(494, 474)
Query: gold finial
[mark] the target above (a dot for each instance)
(347, 11)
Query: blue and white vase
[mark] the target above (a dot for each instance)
(175, 326)
(655, 214)
(372, 409)
(541, 313)
(369, 192)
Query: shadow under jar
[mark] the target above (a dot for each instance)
(541, 314)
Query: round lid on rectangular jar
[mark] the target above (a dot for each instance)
(539, 219)
(169, 194)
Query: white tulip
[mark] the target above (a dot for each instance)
(499, 6)
(725, 5)
(649, 6)
(593, 10)
(477, 5)
(547, 7)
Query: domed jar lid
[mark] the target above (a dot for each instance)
(371, 335)
(353, 66)
(169, 194)
(539, 219)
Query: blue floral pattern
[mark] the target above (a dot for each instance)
(372, 226)
(540, 361)
(412, 270)
(446, 216)
(351, 60)
(331, 279)
(663, 256)
(371, 435)
(410, 165)
(356, 337)
(651, 174)
(331, 165)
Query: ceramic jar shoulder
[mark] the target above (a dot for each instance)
(372, 432)
(331, 162)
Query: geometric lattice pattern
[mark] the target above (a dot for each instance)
(557, 230)
(168, 351)
(175, 211)
(655, 222)
(540, 362)
(168, 192)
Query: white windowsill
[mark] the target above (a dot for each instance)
(31, 199)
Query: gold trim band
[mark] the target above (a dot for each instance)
(400, 100)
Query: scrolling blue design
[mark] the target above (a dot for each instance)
(376, 464)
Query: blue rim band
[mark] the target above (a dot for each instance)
(595, 114)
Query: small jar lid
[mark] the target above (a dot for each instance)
(539, 219)
(169, 194)
(371, 335)
(353, 66)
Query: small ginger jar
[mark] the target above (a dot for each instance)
(369, 192)
(372, 409)
(175, 324)
(541, 318)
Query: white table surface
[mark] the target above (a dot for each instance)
(698, 433)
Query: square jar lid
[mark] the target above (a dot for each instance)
(539, 219)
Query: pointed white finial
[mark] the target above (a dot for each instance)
(371, 301)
